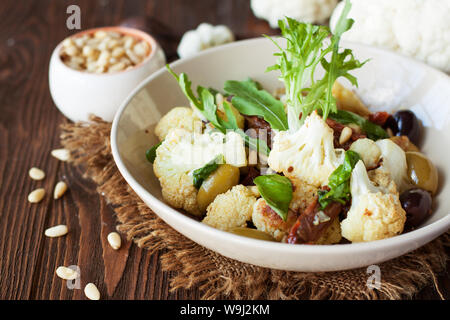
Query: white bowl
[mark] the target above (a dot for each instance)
(398, 80)
(77, 94)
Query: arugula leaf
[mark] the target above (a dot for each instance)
(251, 101)
(202, 173)
(305, 49)
(277, 191)
(339, 181)
(206, 105)
(150, 154)
(372, 130)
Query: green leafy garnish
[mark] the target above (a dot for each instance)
(248, 99)
(150, 154)
(306, 48)
(339, 181)
(372, 130)
(202, 173)
(206, 105)
(277, 191)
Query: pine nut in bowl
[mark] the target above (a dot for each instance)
(93, 71)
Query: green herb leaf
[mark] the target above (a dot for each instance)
(305, 50)
(206, 105)
(372, 130)
(277, 191)
(339, 181)
(202, 173)
(251, 101)
(150, 154)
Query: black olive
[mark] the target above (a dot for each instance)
(408, 125)
(417, 204)
(391, 124)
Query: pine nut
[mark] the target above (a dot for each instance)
(71, 51)
(118, 52)
(36, 195)
(100, 34)
(254, 190)
(133, 57)
(117, 67)
(36, 174)
(66, 273)
(61, 154)
(60, 189)
(88, 51)
(345, 135)
(140, 49)
(114, 240)
(56, 231)
(92, 292)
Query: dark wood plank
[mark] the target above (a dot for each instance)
(29, 131)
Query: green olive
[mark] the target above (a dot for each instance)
(421, 171)
(404, 143)
(220, 181)
(252, 233)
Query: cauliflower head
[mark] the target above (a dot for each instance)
(311, 11)
(307, 154)
(231, 209)
(375, 213)
(204, 37)
(419, 28)
(183, 151)
(178, 117)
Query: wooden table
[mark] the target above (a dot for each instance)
(29, 30)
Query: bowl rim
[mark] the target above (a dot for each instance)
(437, 227)
(124, 30)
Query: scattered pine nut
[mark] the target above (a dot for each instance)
(61, 154)
(56, 231)
(36, 195)
(345, 135)
(114, 240)
(66, 273)
(36, 174)
(60, 189)
(92, 292)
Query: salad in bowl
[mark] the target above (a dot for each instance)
(306, 164)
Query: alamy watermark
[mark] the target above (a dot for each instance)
(73, 22)
(374, 280)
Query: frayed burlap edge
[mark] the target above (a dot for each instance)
(220, 277)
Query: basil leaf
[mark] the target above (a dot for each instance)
(277, 191)
(206, 105)
(372, 130)
(339, 181)
(251, 101)
(202, 173)
(150, 154)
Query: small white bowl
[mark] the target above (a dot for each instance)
(386, 82)
(78, 94)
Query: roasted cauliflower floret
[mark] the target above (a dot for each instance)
(302, 195)
(374, 214)
(394, 162)
(308, 153)
(178, 117)
(231, 209)
(181, 152)
(268, 221)
(368, 150)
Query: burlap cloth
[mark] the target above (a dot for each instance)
(220, 277)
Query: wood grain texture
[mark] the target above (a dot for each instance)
(29, 30)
